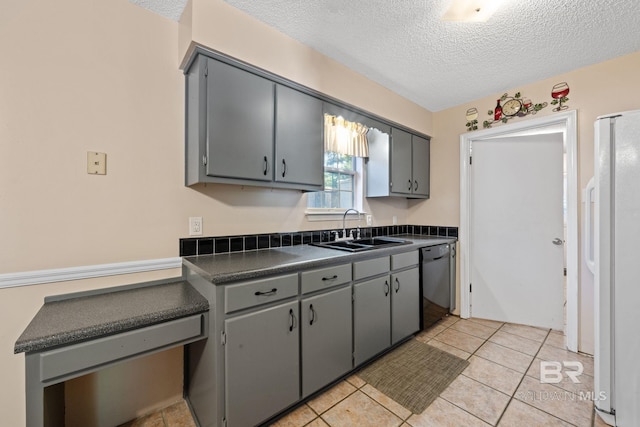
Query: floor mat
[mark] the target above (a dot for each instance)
(414, 374)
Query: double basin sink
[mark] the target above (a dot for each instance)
(359, 245)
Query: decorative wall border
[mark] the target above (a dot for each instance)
(38, 277)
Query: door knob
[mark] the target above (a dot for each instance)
(557, 241)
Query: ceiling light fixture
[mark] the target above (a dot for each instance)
(471, 10)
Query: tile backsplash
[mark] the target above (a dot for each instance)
(252, 242)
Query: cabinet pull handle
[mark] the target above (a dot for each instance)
(386, 288)
(415, 187)
(266, 166)
(313, 315)
(398, 283)
(409, 185)
(292, 320)
(267, 293)
(284, 168)
(334, 277)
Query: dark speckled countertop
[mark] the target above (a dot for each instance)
(74, 320)
(69, 321)
(225, 268)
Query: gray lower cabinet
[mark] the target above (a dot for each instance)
(405, 304)
(262, 371)
(278, 339)
(371, 318)
(326, 338)
(386, 308)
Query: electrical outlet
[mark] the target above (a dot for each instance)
(369, 220)
(195, 226)
(395, 220)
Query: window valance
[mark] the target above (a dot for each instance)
(345, 137)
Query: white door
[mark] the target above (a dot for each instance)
(516, 230)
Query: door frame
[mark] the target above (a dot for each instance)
(567, 120)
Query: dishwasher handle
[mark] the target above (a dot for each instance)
(435, 253)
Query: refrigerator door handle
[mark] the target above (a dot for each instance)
(589, 196)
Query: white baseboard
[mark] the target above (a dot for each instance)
(37, 277)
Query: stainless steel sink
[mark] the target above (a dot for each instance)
(366, 244)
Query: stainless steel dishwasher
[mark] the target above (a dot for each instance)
(438, 291)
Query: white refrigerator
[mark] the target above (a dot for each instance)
(617, 268)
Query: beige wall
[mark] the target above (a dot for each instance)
(78, 76)
(599, 89)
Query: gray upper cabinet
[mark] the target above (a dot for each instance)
(299, 144)
(401, 178)
(420, 160)
(240, 114)
(398, 165)
(244, 128)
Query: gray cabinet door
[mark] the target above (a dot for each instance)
(240, 117)
(405, 304)
(299, 149)
(371, 318)
(262, 370)
(420, 167)
(326, 338)
(401, 178)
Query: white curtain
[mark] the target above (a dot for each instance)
(345, 137)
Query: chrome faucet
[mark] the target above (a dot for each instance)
(344, 219)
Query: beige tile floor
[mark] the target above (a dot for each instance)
(176, 415)
(500, 387)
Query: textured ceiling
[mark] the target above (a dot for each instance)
(404, 46)
(171, 9)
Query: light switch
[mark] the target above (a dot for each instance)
(96, 163)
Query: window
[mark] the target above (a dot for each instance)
(341, 180)
(345, 145)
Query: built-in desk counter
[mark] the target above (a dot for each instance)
(76, 334)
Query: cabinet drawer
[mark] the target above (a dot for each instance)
(249, 294)
(404, 260)
(101, 351)
(370, 267)
(325, 278)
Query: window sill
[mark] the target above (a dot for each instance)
(332, 215)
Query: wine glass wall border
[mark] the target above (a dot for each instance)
(508, 107)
